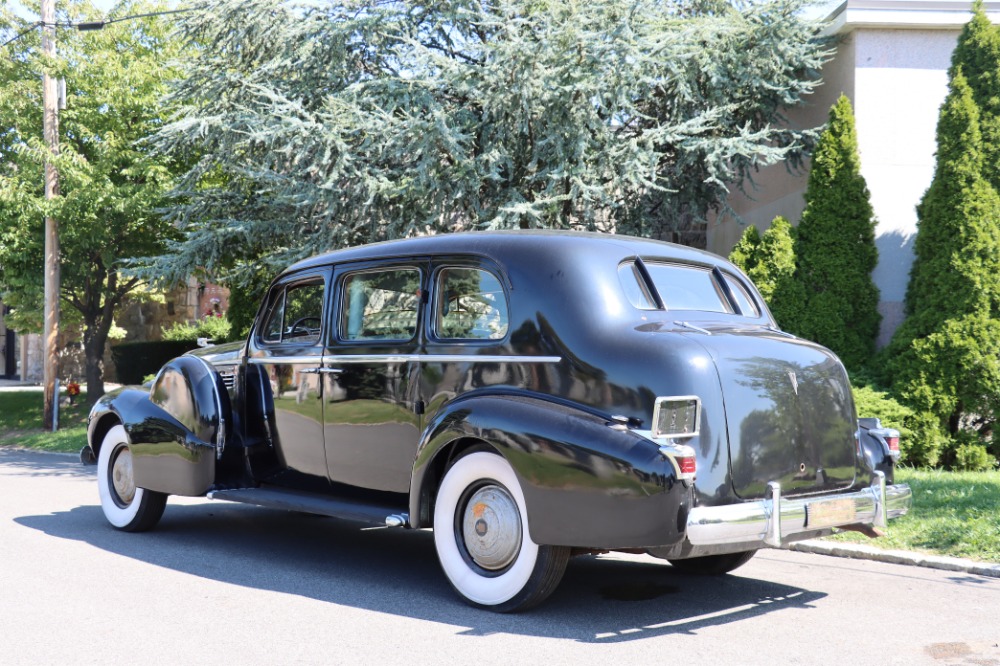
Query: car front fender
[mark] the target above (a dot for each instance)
(176, 430)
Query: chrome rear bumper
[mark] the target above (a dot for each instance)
(775, 521)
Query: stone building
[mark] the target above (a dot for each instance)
(893, 64)
(21, 355)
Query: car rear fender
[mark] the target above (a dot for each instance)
(587, 481)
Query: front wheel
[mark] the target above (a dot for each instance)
(482, 541)
(713, 565)
(126, 507)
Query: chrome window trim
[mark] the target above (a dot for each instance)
(404, 358)
(286, 360)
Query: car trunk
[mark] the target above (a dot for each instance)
(789, 410)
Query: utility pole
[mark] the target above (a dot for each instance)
(50, 104)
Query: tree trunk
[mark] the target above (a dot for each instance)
(98, 317)
(93, 349)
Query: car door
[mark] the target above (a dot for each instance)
(371, 412)
(286, 354)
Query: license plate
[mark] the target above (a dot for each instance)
(830, 513)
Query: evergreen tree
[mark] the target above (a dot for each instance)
(835, 247)
(322, 124)
(111, 186)
(945, 357)
(769, 261)
(977, 55)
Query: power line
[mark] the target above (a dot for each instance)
(85, 26)
(21, 34)
(97, 25)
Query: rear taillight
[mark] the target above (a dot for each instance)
(688, 466)
(682, 458)
(890, 440)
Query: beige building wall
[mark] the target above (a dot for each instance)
(892, 64)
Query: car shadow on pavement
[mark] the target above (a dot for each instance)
(602, 599)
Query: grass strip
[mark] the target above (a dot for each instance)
(954, 513)
(21, 422)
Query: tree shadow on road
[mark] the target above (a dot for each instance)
(602, 599)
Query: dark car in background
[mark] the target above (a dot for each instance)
(529, 396)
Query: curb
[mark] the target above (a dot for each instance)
(68, 455)
(860, 552)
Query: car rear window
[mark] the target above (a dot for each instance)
(470, 305)
(684, 287)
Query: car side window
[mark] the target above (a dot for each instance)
(296, 315)
(380, 305)
(470, 305)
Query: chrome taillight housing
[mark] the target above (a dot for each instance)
(676, 419)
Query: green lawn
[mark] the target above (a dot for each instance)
(954, 513)
(21, 423)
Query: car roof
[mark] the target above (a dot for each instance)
(503, 246)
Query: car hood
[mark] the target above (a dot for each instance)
(220, 354)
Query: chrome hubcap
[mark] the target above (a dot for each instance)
(491, 528)
(121, 476)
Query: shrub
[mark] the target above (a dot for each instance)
(216, 329)
(769, 261)
(920, 439)
(973, 458)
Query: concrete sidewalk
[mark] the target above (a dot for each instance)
(858, 551)
(18, 385)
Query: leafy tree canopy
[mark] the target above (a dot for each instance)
(316, 125)
(111, 185)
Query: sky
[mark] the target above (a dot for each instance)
(103, 6)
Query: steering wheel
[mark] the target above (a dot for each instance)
(300, 323)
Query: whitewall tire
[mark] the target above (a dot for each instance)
(482, 540)
(125, 506)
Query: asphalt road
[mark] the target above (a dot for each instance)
(222, 583)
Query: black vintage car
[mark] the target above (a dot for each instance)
(530, 396)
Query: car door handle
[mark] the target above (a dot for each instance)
(321, 371)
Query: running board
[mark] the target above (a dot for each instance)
(293, 500)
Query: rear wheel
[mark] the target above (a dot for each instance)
(126, 507)
(713, 565)
(482, 541)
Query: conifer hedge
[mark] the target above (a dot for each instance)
(945, 357)
(768, 259)
(835, 247)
